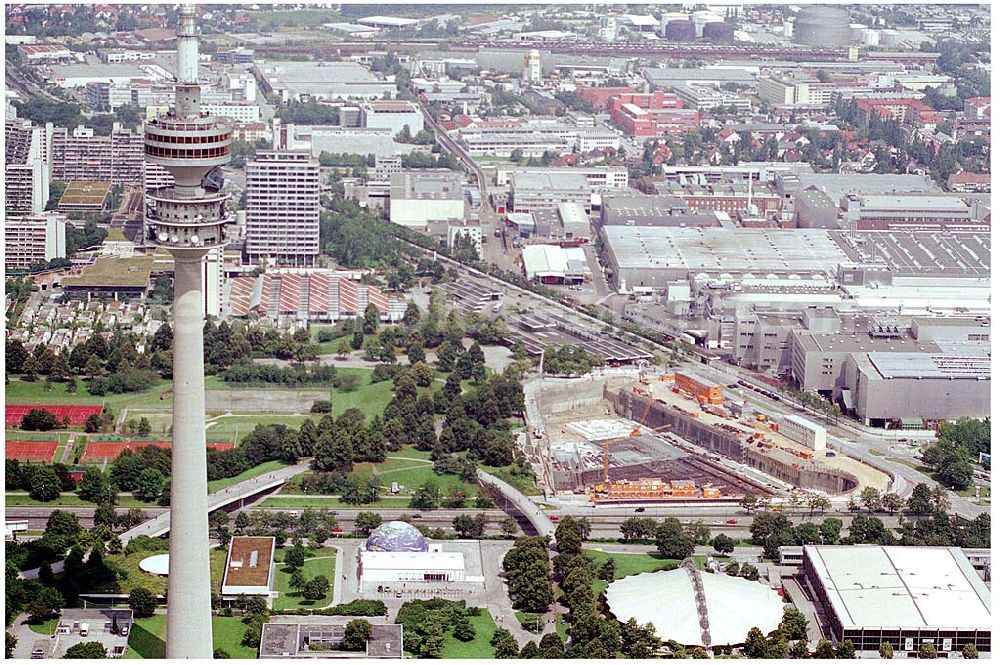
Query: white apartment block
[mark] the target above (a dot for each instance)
(794, 92)
(283, 207)
(237, 111)
(598, 177)
(590, 139)
(706, 98)
(33, 239)
(392, 115)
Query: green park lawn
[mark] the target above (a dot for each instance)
(477, 648)
(371, 398)
(33, 392)
(320, 562)
(146, 639)
(47, 627)
(629, 564)
(280, 501)
(68, 499)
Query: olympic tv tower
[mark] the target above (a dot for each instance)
(188, 219)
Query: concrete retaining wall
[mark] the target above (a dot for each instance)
(801, 473)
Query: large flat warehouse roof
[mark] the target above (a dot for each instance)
(901, 587)
(921, 252)
(804, 251)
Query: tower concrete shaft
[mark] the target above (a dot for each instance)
(188, 220)
(189, 601)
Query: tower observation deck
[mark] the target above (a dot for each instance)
(190, 145)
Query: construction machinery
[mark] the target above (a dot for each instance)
(636, 432)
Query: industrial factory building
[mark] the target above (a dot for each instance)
(906, 596)
(655, 256)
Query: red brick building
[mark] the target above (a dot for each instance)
(651, 114)
(910, 111)
(599, 96)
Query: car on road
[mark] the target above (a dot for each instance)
(640, 510)
(731, 521)
(554, 518)
(415, 516)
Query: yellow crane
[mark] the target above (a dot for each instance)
(636, 432)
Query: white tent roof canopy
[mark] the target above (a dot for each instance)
(667, 600)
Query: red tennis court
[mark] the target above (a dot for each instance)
(31, 451)
(106, 450)
(77, 414)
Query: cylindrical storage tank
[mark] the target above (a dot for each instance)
(718, 32)
(870, 37)
(820, 25)
(787, 28)
(858, 31)
(701, 18)
(679, 31)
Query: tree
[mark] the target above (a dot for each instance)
(426, 497)
(508, 526)
(316, 588)
(885, 651)
(464, 631)
(671, 540)
(638, 642)
(844, 650)
(928, 650)
(143, 429)
(871, 530)
(366, 522)
(39, 420)
(799, 650)
(748, 571)
(750, 502)
(608, 570)
(755, 645)
(824, 650)
(723, 544)
(871, 499)
(9, 644)
(921, 500)
(87, 650)
(142, 602)
(297, 580)
(356, 635)
(219, 654)
(794, 624)
(504, 645)
(970, 652)
(296, 556)
(45, 484)
(369, 325)
(468, 526)
(892, 502)
(149, 484)
(95, 486)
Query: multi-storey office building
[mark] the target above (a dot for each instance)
(283, 207)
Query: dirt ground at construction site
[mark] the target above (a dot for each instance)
(577, 426)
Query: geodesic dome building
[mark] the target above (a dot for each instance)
(396, 536)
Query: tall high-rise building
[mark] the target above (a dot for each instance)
(189, 220)
(283, 207)
(532, 67)
(26, 177)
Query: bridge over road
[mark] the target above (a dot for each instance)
(241, 493)
(542, 525)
